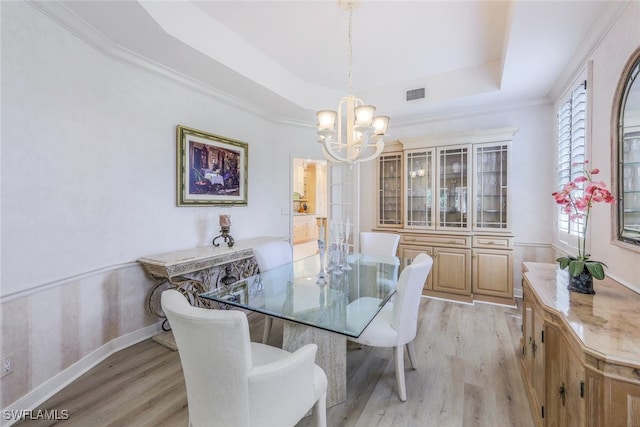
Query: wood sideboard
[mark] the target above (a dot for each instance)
(580, 353)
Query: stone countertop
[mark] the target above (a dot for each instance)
(607, 323)
(174, 263)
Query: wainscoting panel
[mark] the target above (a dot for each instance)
(58, 331)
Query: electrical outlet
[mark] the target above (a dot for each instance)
(7, 366)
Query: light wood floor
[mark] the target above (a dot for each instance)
(467, 375)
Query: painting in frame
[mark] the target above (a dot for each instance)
(211, 169)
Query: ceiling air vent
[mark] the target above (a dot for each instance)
(414, 94)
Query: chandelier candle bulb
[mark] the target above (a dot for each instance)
(364, 115)
(380, 124)
(326, 120)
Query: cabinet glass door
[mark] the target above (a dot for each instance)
(491, 187)
(453, 187)
(419, 184)
(390, 190)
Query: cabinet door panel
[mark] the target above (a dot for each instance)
(410, 252)
(419, 185)
(491, 162)
(623, 398)
(539, 356)
(554, 374)
(390, 190)
(574, 409)
(453, 187)
(492, 274)
(452, 271)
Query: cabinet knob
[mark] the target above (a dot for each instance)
(451, 242)
(563, 392)
(490, 242)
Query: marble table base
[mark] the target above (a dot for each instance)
(331, 355)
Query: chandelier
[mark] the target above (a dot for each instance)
(359, 136)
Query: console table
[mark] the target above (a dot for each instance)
(580, 353)
(197, 270)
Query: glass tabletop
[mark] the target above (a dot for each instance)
(346, 304)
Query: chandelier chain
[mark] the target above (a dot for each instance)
(350, 47)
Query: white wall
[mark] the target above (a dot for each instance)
(88, 150)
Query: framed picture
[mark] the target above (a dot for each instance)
(211, 169)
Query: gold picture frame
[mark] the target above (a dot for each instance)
(211, 169)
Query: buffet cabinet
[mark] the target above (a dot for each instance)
(580, 356)
(448, 196)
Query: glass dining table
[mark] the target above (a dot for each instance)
(321, 313)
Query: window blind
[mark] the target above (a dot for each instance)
(571, 116)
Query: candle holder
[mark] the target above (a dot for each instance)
(225, 226)
(225, 236)
(321, 278)
(344, 254)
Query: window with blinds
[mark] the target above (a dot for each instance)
(572, 116)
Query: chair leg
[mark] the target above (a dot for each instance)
(412, 355)
(320, 411)
(398, 356)
(268, 321)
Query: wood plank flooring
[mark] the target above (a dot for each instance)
(467, 376)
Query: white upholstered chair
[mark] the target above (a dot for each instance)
(379, 244)
(271, 255)
(372, 243)
(234, 382)
(396, 323)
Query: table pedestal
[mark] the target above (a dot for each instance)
(331, 355)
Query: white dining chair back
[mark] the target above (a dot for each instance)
(231, 381)
(396, 324)
(271, 255)
(406, 304)
(373, 243)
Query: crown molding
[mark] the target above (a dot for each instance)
(66, 18)
(594, 38)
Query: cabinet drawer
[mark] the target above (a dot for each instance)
(436, 240)
(493, 242)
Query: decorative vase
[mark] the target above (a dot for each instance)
(582, 283)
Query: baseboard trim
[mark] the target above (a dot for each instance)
(43, 392)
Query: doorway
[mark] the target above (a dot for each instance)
(309, 202)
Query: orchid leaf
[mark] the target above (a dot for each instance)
(564, 262)
(576, 267)
(596, 269)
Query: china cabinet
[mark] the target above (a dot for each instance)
(580, 354)
(455, 200)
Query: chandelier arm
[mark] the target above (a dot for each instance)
(379, 148)
(331, 154)
(330, 157)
